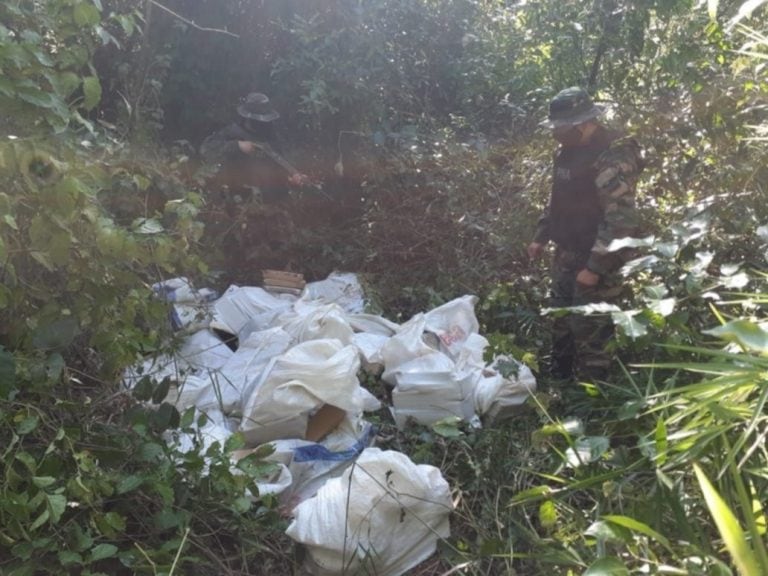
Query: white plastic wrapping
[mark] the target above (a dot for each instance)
(383, 516)
(339, 288)
(299, 383)
(506, 384)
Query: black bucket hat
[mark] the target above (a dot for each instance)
(570, 107)
(256, 106)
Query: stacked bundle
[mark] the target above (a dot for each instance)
(281, 282)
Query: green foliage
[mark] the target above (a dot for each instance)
(109, 495)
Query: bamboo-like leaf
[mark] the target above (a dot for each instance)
(728, 526)
(638, 526)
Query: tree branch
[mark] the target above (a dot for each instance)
(192, 23)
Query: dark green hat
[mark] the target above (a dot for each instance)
(570, 107)
(256, 106)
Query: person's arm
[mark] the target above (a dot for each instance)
(219, 147)
(617, 171)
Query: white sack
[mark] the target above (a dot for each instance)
(372, 324)
(505, 384)
(453, 323)
(191, 308)
(246, 366)
(370, 346)
(408, 344)
(339, 288)
(312, 464)
(431, 388)
(315, 322)
(384, 515)
(247, 306)
(299, 383)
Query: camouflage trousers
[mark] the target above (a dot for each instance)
(578, 341)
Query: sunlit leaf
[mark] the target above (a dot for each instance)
(448, 427)
(587, 309)
(91, 91)
(586, 450)
(637, 526)
(734, 537)
(608, 532)
(629, 242)
(629, 326)
(735, 282)
(749, 335)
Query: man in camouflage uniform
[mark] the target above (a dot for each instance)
(592, 203)
(244, 154)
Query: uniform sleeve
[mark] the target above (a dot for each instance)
(215, 149)
(617, 171)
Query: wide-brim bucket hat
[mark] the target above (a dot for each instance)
(256, 106)
(571, 107)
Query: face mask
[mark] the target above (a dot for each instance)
(568, 136)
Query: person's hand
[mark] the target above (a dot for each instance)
(535, 250)
(586, 277)
(299, 179)
(246, 147)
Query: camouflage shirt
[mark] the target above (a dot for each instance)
(601, 207)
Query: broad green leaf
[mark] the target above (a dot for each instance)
(630, 409)
(734, 537)
(150, 452)
(629, 326)
(40, 520)
(639, 264)
(91, 91)
(663, 307)
(43, 481)
(161, 391)
(43, 259)
(27, 425)
(68, 558)
(747, 334)
(166, 417)
(607, 567)
(608, 532)
(57, 504)
(86, 14)
(36, 97)
(129, 483)
(57, 335)
(448, 427)
(115, 520)
(629, 242)
(234, 442)
(102, 551)
(638, 526)
(242, 504)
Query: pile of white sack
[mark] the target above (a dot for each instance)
(293, 382)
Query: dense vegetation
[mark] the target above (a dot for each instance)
(419, 120)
